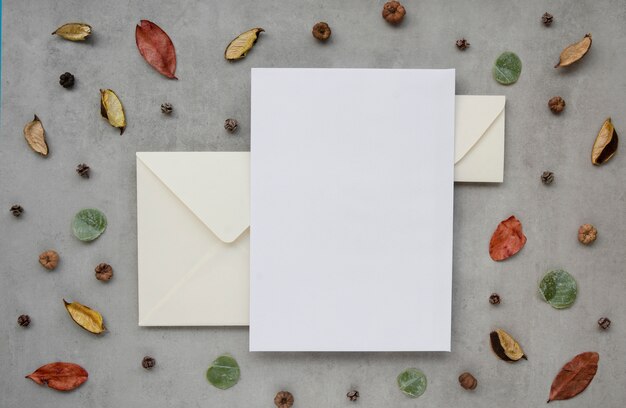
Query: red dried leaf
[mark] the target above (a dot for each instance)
(507, 240)
(60, 376)
(575, 376)
(156, 48)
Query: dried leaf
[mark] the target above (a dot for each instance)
(85, 317)
(73, 31)
(605, 145)
(575, 376)
(412, 382)
(239, 47)
(507, 68)
(505, 346)
(574, 52)
(223, 372)
(89, 224)
(156, 47)
(111, 109)
(36, 136)
(60, 376)
(558, 288)
(507, 240)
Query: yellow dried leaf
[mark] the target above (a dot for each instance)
(239, 47)
(85, 317)
(73, 31)
(36, 136)
(111, 108)
(574, 52)
(605, 145)
(505, 346)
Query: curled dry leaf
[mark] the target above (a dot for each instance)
(111, 109)
(575, 376)
(506, 347)
(239, 47)
(73, 31)
(36, 136)
(156, 47)
(60, 376)
(605, 145)
(85, 317)
(574, 52)
(507, 240)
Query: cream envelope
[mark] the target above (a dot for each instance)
(193, 219)
(479, 139)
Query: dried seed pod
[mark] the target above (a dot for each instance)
(16, 210)
(468, 381)
(23, 320)
(462, 44)
(505, 346)
(574, 52)
(547, 177)
(35, 135)
(167, 108)
(85, 317)
(231, 125)
(556, 104)
(73, 31)
(111, 109)
(393, 12)
(587, 233)
(353, 395)
(604, 323)
(49, 259)
(547, 18)
(494, 299)
(66, 80)
(83, 170)
(148, 362)
(239, 47)
(321, 31)
(605, 145)
(104, 272)
(283, 399)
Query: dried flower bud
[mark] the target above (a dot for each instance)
(83, 170)
(547, 177)
(462, 44)
(16, 210)
(556, 104)
(353, 395)
(547, 19)
(283, 399)
(104, 272)
(148, 362)
(604, 323)
(393, 12)
(494, 299)
(49, 259)
(321, 31)
(468, 381)
(231, 125)
(23, 320)
(167, 108)
(587, 233)
(66, 80)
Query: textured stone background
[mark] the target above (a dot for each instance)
(210, 90)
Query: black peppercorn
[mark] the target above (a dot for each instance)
(148, 362)
(462, 44)
(494, 299)
(231, 125)
(23, 320)
(604, 323)
(83, 170)
(353, 395)
(16, 210)
(547, 177)
(167, 108)
(67, 80)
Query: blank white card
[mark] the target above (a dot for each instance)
(351, 209)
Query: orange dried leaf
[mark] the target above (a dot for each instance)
(60, 376)
(156, 47)
(575, 376)
(507, 240)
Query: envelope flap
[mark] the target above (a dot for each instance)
(474, 115)
(215, 186)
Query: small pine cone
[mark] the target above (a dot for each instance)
(83, 170)
(283, 399)
(148, 362)
(494, 299)
(353, 395)
(547, 19)
(49, 259)
(462, 44)
(67, 80)
(587, 233)
(16, 210)
(547, 177)
(604, 323)
(231, 125)
(104, 272)
(321, 31)
(167, 108)
(23, 320)
(556, 104)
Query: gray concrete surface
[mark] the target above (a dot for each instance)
(210, 90)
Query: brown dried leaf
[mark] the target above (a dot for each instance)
(239, 47)
(156, 47)
(575, 376)
(73, 31)
(60, 376)
(36, 136)
(505, 346)
(111, 109)
(574, 52)
(605, 145)
(507, 240)
(85, 317)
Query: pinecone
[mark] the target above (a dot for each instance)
(148, 362)
(16, 210)
(23, 320)
(494, 299)
(67, 80)
(83, 170)
(547, 18)
(104, 272)
(353, 395)
(231, 125)
(604, 323)
(547, 177)
(462, 44)
(167, 108)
